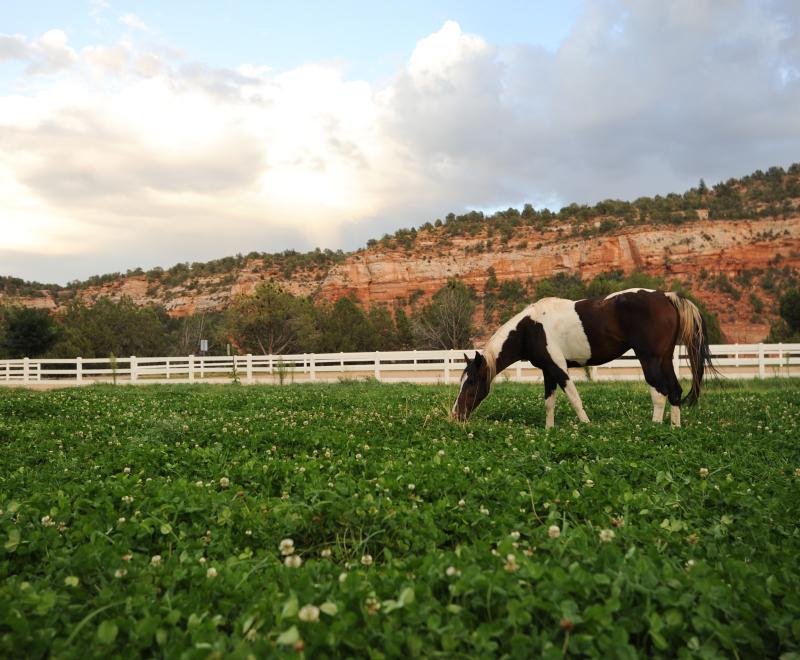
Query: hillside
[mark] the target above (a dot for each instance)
(735, 245)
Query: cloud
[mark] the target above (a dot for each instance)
(48, 54)
(124, 145)
(133, 21)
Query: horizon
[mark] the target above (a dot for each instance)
(137, 135)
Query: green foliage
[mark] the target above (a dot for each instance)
(147, 522)
(787, 327)
(271, 321)
(26, 332)
(122, 328)
(345, 327)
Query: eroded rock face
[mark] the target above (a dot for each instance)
(381, 276)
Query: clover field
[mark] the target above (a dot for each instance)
(356, 520)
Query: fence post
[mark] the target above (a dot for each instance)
(593, 372)
(38, 372)
(166, 368)
(191, 368)
(26, 369)
(79, 370)
(269, 363)
(736, 356)
(134, 373)
(780, 359)
(762, 372)
(249, 367)
(312, 366)
(203, 366)
(447, 368)
(377, 367)
(519, 369)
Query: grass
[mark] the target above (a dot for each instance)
(147, 521)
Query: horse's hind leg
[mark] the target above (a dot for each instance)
(659, 401)
(673, 389)
(659, 385)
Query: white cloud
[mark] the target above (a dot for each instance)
(642, 97)
(133, 21)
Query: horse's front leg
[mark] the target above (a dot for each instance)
(550, 386)
(575, 400)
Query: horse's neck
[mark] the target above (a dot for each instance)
(499, 357)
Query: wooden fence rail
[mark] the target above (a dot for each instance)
(733, 361)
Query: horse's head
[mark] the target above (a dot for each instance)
(474, 387)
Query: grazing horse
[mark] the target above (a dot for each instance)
(555, 334)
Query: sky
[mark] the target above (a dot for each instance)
(143, 134)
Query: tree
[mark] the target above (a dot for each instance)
(112, 327)
(345, 327)
(27, 332)
(271, 322)
(790, 309)
(446, 322)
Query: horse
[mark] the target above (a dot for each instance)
(554, 334)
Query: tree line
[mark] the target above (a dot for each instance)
(271, 320)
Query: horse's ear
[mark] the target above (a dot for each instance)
(466, 358)
(478, 358)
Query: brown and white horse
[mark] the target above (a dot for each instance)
(554, 334)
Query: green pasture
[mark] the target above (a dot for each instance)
(356, 520)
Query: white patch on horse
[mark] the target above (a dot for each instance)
(575, 400)
(619, 293)
(659, 401)
(675, 415)
(550, 408)
(566, 337)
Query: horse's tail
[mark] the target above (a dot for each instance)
(693, 334)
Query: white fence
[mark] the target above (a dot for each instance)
(733, 360)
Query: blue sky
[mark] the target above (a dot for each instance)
(151, 133)
(372, 39)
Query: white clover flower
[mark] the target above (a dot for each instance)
(440, 452)
(373, 605)
(325, 553)
(224, 482)
(121, 520)
(452, 571)
(796, 473)
(514, 535)
(127, 470)
(286, 547)
(589, 483)
(466, 469)
(293, 561)
(202, 560)
(553, 531)
(127, 499)
(155, 560)
(411, 486)
(366, 560)
(120, 573)
(308, 613)
(211, 572)
(127, 557)
(47, 521)
(462, 502)
(484, 511)
(71, 581)
(607, 535)
(511, 563)
(199, 483)
(703, 473)
(342, 577)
